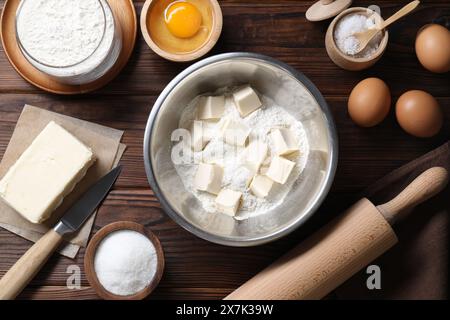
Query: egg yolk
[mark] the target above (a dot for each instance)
(183, 19)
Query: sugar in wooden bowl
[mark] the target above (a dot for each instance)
(124, 261)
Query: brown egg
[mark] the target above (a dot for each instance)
(433, 48)
(419, 114)
(369, 102)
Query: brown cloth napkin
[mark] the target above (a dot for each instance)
(105, 144)
(417, 267)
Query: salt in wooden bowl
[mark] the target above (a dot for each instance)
(348, 62)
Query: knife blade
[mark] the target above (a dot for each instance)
(24, 270)
(77, 215)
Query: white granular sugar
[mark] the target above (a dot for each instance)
(125, 262)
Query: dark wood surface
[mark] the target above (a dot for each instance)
(196, 269)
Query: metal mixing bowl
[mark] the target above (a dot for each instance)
(288, 88)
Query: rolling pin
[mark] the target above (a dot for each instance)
(341, 248)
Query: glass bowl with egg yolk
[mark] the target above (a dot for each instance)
(180, 26)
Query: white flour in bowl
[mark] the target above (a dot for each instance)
(65, 38)
(236, 176)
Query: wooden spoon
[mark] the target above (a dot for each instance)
(365, 36)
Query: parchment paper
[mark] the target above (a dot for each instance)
(105, 144)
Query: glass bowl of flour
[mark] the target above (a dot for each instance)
(289, 100)
(74, 42)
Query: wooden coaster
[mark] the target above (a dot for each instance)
(126, 15)
(90, 254)
(325, 9)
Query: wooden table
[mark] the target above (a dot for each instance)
(196, 269)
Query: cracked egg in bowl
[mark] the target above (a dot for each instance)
(181, 30)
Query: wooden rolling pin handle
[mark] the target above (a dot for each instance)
(425, 186)
(341, 248)
(24, 270)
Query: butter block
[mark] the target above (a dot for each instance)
(284, 141)
(228, 201)
(246, 101)
(208, 178)
(280, 169)
(45, 173)
(261, 186)
(255, 154)
(235, 133)
(211, 107)
(201, 133)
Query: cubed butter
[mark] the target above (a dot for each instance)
(246, 100)
(264, 168)
(201, 133)
(211, 107)
(45, 173)
(280, 169)
(208, 178)
(261, 186)
(284, 141)
(255, 154)
(235, 133)
(228, 201)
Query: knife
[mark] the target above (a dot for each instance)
(24, 270)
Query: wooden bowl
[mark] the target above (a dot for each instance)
(348, 62)
(126, 15)
(92, 248)
(188, 56)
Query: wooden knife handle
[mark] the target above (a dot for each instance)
(425, 186)
(24, 270)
